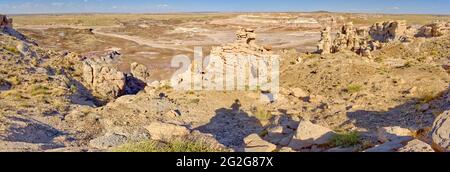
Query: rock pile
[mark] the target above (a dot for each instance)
(245, 44)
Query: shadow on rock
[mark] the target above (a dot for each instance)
(414, 114)
(32, 131)
(231, 125)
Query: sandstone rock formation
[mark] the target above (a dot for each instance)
(348, 38)
(245, 44)
(103, 78)
(6, 26)
(5, 22)
(441, 132)
(435, 29)
(241, 55)
(324, 46)
(389, 31)
(140, 72)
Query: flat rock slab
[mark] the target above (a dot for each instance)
(254, 143)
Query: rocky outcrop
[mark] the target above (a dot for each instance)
(348, 38)
(6, 27)
(245, 44)
(435, 29)
(5, 22)
(237, 55)
(140, 72)
(103, 78)
(441, 132)
(324, 46)
(389, 31)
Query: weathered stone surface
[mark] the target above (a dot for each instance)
(386, 134)
(103, 78)
(107, 141)
(300, 93)
(242, 55)
(140, 71)
(254, 143)
(324, 46)
(440, 133)
(391, 146)
(164, 131)
(432, 30)
(416, 146)
(309, 134)
(388, 31)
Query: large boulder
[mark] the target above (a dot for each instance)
(309, 134)
(254, 143)
(165, 131)
(441, 132)
(104, 78)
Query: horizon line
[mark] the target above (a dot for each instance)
(225, 12)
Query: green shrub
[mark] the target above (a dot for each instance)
(177, 145)
(13, 50)
(39, 90)
(346, 139)
(261, 114)
(353, 88)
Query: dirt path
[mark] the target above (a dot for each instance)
(97, 30)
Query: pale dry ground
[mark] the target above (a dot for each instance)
(153, 39)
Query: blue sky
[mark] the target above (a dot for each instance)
(150, 6)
